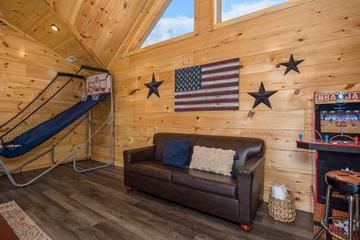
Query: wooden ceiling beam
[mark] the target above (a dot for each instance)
(142, 27)
(125, 26)
(101, 25)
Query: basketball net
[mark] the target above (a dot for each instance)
(95, 96)
(83, 96)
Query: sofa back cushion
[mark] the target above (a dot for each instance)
(215, 160)
(244, 147)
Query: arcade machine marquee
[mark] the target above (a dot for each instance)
(336, 141)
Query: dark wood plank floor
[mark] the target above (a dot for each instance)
(95, 205)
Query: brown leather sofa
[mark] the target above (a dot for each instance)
(233, 198)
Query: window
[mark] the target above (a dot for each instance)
(177, 19)
(229, 9)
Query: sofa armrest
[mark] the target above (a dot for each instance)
(139, 154)
(136, 155)
(250, 188)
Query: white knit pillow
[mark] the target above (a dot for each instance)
(213, 160)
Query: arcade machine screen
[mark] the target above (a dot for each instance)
(340, 121)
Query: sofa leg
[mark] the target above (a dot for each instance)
(129, 189)
(246, 227)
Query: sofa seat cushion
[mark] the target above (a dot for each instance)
(152, 169)
(206, 182)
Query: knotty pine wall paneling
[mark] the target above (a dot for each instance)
(326, 33)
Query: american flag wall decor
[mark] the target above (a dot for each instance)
(213, 86)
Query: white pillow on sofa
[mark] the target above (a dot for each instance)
(213, 160)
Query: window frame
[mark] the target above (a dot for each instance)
(170, 40)
(218, 23)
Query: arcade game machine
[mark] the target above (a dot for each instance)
(336, 141)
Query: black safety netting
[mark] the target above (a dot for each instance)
(62, 93)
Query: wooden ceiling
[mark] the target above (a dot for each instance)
(19, 49)
(93, 31)
(34, 19)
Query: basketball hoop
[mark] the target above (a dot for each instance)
(98, 84)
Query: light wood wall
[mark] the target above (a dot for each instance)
(26, 67)
(326, 33)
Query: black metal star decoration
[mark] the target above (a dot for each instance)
(153, 86)
(292, 64)
(262, 96)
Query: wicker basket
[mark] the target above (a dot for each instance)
(282, 210)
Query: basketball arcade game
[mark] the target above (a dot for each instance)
(68, 100)
(336, 141)
(97, 85)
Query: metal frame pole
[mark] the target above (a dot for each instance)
(82, 170)
(89, 134)
(111, 157)
(30, 160)
(16, 184)
(111, 130)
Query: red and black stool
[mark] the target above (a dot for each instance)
(347, 183)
